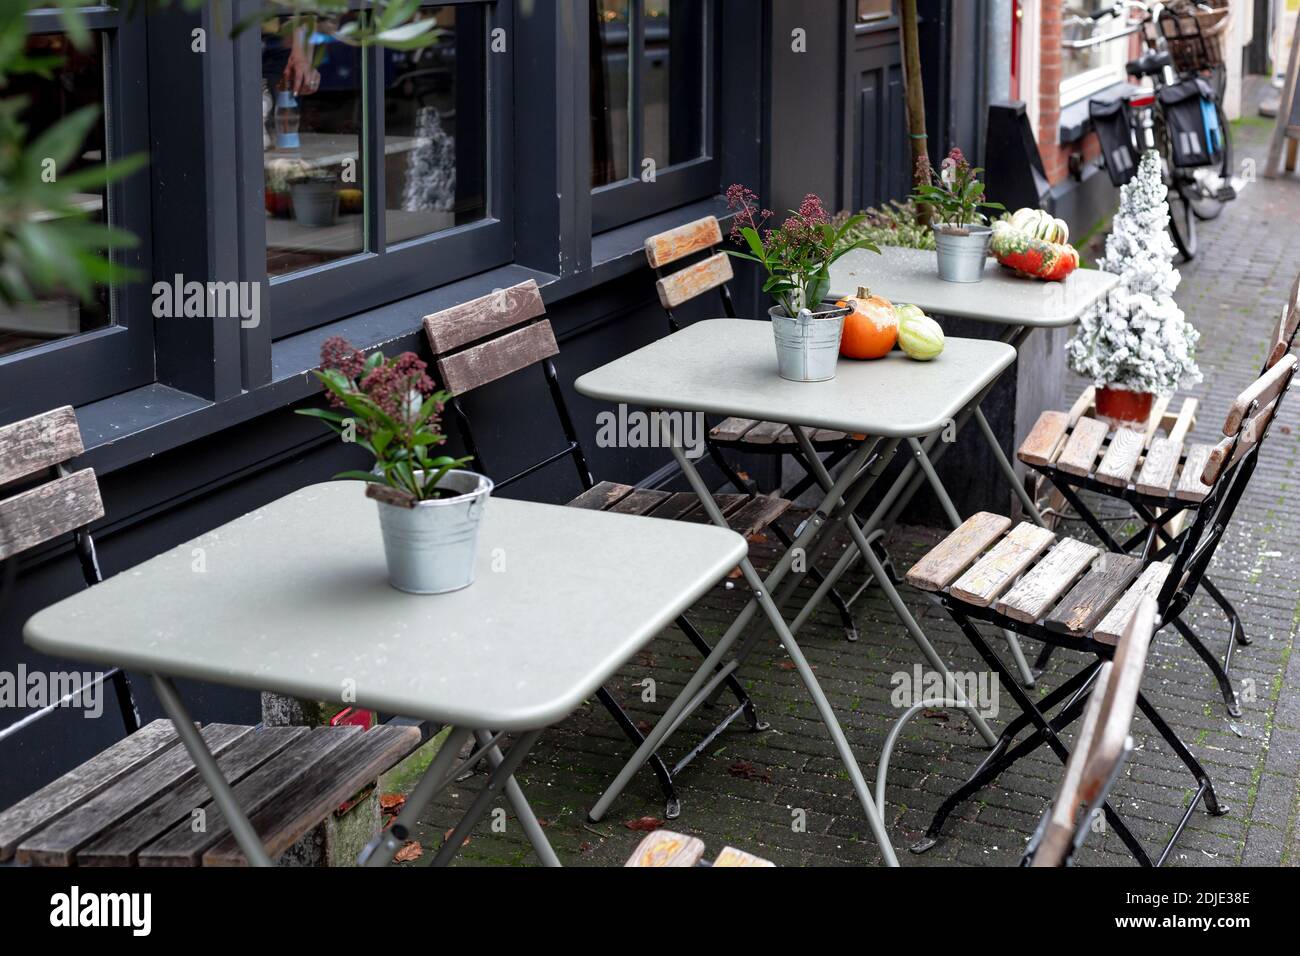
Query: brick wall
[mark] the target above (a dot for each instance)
(1055, 158)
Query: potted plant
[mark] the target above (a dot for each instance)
(797, 256)
(430, 507)
(961, 232)
(1136, 342)
(315, 197)
(278, 171)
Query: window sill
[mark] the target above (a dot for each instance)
(131, 427)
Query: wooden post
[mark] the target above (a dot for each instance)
(915, 90)
(1286, 131)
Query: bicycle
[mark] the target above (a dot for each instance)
(1178, 50)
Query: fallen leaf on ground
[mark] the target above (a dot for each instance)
(756, 538)
(391, 802)
(789, 665)
(447, 836)
(645, 824)
(935, 714)
(747, 771)
(408, 852)
(735, 573)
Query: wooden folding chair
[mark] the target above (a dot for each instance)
(1156, 474)
(1100, 750)
(1072, 594)
(700, 267)
(477, 343)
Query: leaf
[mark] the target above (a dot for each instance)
(360, 476)
(644, 824)
(410, 851)
(61, 141)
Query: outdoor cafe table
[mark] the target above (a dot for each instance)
(1003, 298)
(727, 367)
(294, 600)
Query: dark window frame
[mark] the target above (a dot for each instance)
(312, 297)
(627, 200)
(97, 364)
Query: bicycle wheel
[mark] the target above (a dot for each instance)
(1182, 220)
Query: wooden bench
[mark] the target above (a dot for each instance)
(141, 802)
(664, 848)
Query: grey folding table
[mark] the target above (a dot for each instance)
(294, 599)
(1021, 305)
(727, 367)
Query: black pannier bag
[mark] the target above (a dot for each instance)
(1110, 120)
(1195, 137)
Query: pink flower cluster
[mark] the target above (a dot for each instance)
(802, 227)
(393, 384)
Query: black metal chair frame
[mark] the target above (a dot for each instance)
(1145, 508)
(84, 545)
(573, 449)
(1194, 549)
(837, 450)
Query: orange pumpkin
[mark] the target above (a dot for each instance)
(871, 329)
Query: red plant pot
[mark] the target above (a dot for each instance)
(1121, 405)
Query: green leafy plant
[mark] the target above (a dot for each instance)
(798, 254)
(956, 194)
(390, 408)
(894, 224)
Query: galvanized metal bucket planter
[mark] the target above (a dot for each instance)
(432, 546)
(808, 345)
(962, 255)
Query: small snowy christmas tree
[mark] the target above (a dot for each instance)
(1137, 337)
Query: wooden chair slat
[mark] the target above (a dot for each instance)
(639, 502)
(673, 244)
(1184, 422)
(602, 497)
(756, 514)
(1286, 330)
(731, 857)
(1158, 470)
(943, 563)
(489, 361)
(731, 429)
(1116, 621)
(1086, 400)
(49, 510)
(666, 848)
(994, 572)
(1155, 419)
(469, 321)
(1080, 451)
(39, 442)
(1036, 592)
(321, 788)
(118, 844)
(768, 433)
(727, 504)
(694, 280)
(1121, 457)
(56, 844)
(676, 507)
(1044, 438)
(1251, 435)
(1055, 842)
(87, 781)
(182, 846)
(1190, 486)
(1119, 700)
(830, 435)
(1261, 391)
(1089, 600)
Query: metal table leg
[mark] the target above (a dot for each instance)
(527, 819)
(222, 795)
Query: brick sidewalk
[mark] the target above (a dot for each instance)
(750, 790)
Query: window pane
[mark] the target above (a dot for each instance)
(874, 9)
(77, 82)
(435, 127)
(610, 74)
(673, 79)
(312, 141)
